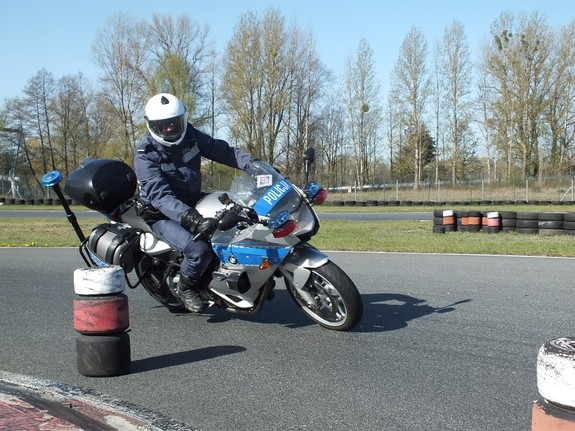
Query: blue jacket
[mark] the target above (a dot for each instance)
(170, 178)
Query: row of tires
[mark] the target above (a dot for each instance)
(101, 319)
(408, 203)
(541, 223)
(12, 201)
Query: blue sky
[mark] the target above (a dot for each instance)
(57, 34)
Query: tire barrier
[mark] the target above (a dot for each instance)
(493, 223)
(508, 220)
(535, 223)
(101, 319)
(41, 201)
(550, 223)
(554, 408)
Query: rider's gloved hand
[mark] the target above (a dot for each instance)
(207, 226)
(193, 221)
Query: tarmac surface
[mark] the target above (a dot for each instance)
(29, 404)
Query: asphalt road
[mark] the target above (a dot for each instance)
(447, 343)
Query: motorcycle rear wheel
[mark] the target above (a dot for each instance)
(338, 305)
(152, 281)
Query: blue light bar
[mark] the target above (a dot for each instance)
(51, 178)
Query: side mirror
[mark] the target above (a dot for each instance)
(309, 156)
(229, 221)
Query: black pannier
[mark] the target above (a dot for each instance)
(101, 184)
(116, 244)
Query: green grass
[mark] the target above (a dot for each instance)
(417, 236)
(385, 236)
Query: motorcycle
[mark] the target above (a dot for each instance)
(265, 223)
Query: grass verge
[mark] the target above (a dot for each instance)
(385, 236)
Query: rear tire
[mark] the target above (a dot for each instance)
(338, 304)
(152, 278)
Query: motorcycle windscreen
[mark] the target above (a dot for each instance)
(277, 198)
(282, 196)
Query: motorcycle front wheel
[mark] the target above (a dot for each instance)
(337, 303)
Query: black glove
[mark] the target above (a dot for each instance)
(193, 221)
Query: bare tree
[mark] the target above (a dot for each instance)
(331, 140)
(39, 96)
(411, 89)
(120, 50)
(455, 66)
(362, 93)
(264, 63)
(180, 60)
(309, 78)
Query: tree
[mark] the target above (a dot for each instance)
(309, 78)
(38, 104)
(361, 97)
(271, 81)
(180, 56)
(561, 112)
(411, 89)
(120, 51)
(518, 64)
(455, 66)
(331, 141)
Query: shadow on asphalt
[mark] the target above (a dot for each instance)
(180, 358)
(381, 312)
(391, 311)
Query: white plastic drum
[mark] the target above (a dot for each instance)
(556, 371)
(99, 280)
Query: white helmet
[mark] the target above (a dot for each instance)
(166, 118)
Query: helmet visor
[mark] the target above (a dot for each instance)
(169, 129)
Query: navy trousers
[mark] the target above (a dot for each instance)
(197, 254)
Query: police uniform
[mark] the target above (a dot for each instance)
(169, 179)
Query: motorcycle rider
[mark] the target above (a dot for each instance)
(167, 163)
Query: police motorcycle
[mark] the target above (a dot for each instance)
(264, 225)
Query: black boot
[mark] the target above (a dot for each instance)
(189, 295)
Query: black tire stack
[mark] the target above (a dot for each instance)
(550, 224)
(438, 226)
(508, 220)
(527, 222)
(101, 318)
(569, 223)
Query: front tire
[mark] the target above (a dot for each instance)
(337, 302)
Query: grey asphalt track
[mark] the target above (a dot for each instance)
(447, 342)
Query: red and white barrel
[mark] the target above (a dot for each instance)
(101, 318)
(98, 315)
(555, 407)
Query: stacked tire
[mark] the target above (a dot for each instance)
(444, 221)
(474, 221)
(527, 222)
(554, 408)
(101, 319)
(438, 222)
(569, 223)
(550, 224)
(492, 222)
(508, 220)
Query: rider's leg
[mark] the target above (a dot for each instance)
(197, 256)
